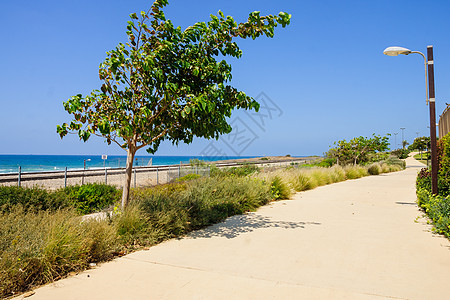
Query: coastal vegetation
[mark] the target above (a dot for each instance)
(437, 207)
(166, 83)
(44, 235)
(358, 150)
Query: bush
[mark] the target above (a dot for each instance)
(279, 189)
(85, 198)
(438, 209)
(401, 153)
(37, 248)
(375, 169)
(423, 181)
(90, 197)
(188, 177)
(394, 160)
(30, 199)
(327, 162)
(355, 172)
(235, 171)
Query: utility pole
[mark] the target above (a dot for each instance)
(434, 162)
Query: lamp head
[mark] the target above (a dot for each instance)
(394, 51)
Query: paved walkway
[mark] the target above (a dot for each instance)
(357, 239)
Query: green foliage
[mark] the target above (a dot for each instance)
(394, 160)
(421, 144)
(198, 163)
(37, 248)
(85, 199)
(30, 199)
(166, 83)
(378, 157)
(188, 177)
(438, 209)
(326, 163)
(375, 169)
(279, 189)
(240, 171)
(91, 197)
(423, 181)
(355, 172)
(401, 153)
(444, 157)
(358, 149)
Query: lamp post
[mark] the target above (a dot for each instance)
(84, 168)
(430, 94)
(403, 139)
(395, 134)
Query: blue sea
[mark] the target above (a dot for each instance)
(40, 163)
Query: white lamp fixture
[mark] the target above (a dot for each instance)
(394, 51)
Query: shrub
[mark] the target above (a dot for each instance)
(423, 181)
(394, 160)
(375, 169)
(279, 189)
(379, 156)
(337, 174)
(302, 182)
(85, 198)
(33, 199)
(188, 177)
(235, 171)
(400, 153)
(327, 162)
(90, 197)
(355, 171)
(37, 248)
(438, 209)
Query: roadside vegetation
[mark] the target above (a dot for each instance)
(44, 236)
(437, 207)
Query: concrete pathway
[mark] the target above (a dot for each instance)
(357, 239)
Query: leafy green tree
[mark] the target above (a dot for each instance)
(420, 143)
(358, 149)
(166, 83)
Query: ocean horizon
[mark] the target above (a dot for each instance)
(10, 163)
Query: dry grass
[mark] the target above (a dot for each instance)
(36, 248)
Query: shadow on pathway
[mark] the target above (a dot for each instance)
(236, 225)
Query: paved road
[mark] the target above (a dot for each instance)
(357, 239)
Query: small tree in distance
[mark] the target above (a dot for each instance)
(166, 84)
(357, 150)
(421, 144)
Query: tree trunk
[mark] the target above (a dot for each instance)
(129, 170)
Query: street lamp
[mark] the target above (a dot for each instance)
(430, 94)
(395, 134)
(403, 139)
(84, 168)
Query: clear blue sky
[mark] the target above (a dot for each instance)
(325, 72)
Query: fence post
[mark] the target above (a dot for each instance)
(20, 175)
(157, 176)
(106, 176)
(65, 177)
(134, 178)
(179, 170)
